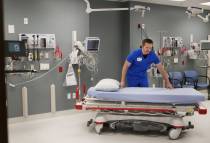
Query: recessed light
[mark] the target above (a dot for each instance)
(206, 3)
(178, 0)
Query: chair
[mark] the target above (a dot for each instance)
(176, 79)
(192, 80)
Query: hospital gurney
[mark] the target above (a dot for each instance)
(143, 109)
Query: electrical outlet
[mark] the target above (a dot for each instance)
(91, 79)
(25, 20)
(141, 26)
(46, 55)
(11, 29)
(176, 60)
(44, 66)
(74, 95)
(32, 67)
(68, 96)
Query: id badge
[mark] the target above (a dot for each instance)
(139, 59)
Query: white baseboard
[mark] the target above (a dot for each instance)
(43, 116)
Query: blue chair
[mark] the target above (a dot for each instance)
(192, 80)
(176, 79)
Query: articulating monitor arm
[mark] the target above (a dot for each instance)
(137, 8)
(196, 11)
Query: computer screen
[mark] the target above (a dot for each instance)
(205, 45)
(15, 48)
(92, 44)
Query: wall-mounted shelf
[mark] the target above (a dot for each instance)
(20, 71)
(40, 49)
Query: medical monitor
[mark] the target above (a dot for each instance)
(205, 44)
(14, 48)
(92, 44)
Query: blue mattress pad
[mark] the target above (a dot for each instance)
(150, 95)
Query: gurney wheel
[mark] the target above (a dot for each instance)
(98, 128)
(174, 133)
(89, 122)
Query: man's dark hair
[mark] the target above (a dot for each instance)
(147, 41)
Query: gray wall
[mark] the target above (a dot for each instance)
(173, 22)
(45, 16)
(117, 30)
(170, 19)
(126, 34)
(61, 17)
(112, 28)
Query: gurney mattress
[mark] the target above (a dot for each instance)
(150, 95)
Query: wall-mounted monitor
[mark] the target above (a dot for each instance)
(14, 48)
(205, 44)
(92, 44)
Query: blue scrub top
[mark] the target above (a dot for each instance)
(137, 72)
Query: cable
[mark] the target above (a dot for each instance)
(87, 59)
(90, 61)
(36, 78)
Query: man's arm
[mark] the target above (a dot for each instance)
(124, 71)
(165, 75)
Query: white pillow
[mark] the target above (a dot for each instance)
(107, 85)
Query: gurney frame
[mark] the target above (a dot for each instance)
(166, 117)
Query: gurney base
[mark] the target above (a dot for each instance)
(172, 124)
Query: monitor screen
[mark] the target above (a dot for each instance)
(205, 45)
(15, 48)
(92, 44)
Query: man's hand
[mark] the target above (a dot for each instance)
(124, 71)
(169, 85)
(122, 84)
(165, 76)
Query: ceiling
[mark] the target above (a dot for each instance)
(186, 3)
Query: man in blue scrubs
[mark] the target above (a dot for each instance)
(136, 66)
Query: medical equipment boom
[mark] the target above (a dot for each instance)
(139, 8)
